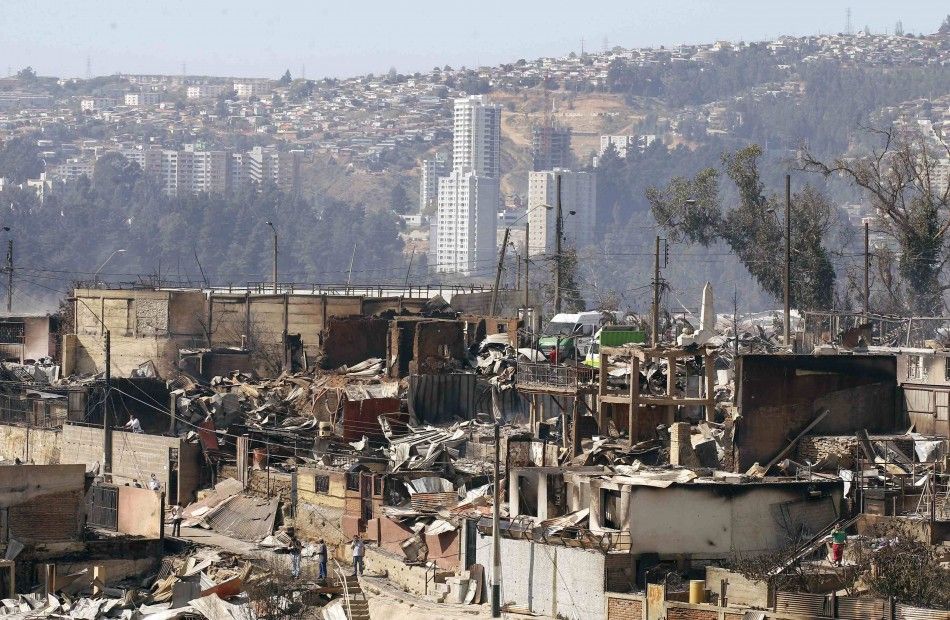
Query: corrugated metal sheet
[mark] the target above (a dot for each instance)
(906, 612)
(433, 502)
(804, 604)
(245, 518)
(443, 398)
(862, 608)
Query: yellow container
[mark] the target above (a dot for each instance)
(697, 591)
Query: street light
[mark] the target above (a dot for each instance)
(501, 257)
(272, 227)
(95, 278)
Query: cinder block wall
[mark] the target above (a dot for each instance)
(135, 456)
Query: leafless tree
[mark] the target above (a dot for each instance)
(901, 177)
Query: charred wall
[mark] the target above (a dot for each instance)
(779, 395)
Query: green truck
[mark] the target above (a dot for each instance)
(612, 336)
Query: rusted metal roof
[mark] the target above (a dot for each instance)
(245, 518)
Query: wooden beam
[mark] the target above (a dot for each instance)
(785, 450)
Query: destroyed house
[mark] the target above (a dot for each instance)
(25, 338)
(924, 379)
(285, 330)
(782, 397)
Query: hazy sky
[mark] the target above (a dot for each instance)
(260, 38)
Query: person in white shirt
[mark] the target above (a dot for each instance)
(358, 549)
(177, 518)
(133, 424)
(154, 484)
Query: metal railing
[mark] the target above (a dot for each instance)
(550, 376)
(521, 528)
(346, 588)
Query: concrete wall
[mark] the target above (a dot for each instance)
(548, 579)
(38, 341)
(135, 456)
(715, 521)
(416, 579)
(140, 512)
(269, 316)
(306, 491)
(639, 607)
(43, 503)
(30, 445)
(144, 325)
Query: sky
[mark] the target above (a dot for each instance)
(339, 39)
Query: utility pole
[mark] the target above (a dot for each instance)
(501, 262)
(655, 340)
(867, 269)
(349, 272)
(496, 533)
(10, 275)
(558, 231)
(527, 257)
(788, 259)
(107, 388)
(273, 228)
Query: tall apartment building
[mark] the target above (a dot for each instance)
(476, 143)
(282, 168)
(468, 199)
(551, 147)
(578, 194)
(429, 174)
(468, 207)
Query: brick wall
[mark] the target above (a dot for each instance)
(685, 613)
(836, 449)
(624, 609)
(49, 518)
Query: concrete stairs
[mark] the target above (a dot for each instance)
(359, 606)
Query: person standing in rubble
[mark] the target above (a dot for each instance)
(177, 518)
(358, 549)
(322, 559)
(838, 539)
(295, 549)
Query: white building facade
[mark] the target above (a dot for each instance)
(578, 194)
(468, 207)
(468, 198)
(476, 143)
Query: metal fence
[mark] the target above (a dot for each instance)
(102, 506)
(544, 376)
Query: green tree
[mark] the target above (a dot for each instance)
(20, 158)
(285, 79)
(26, 74)
(690, 209)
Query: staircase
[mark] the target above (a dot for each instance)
(354, 600)
(357, 606)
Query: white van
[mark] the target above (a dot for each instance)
(570, 334)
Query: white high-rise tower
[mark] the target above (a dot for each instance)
(468, 199)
